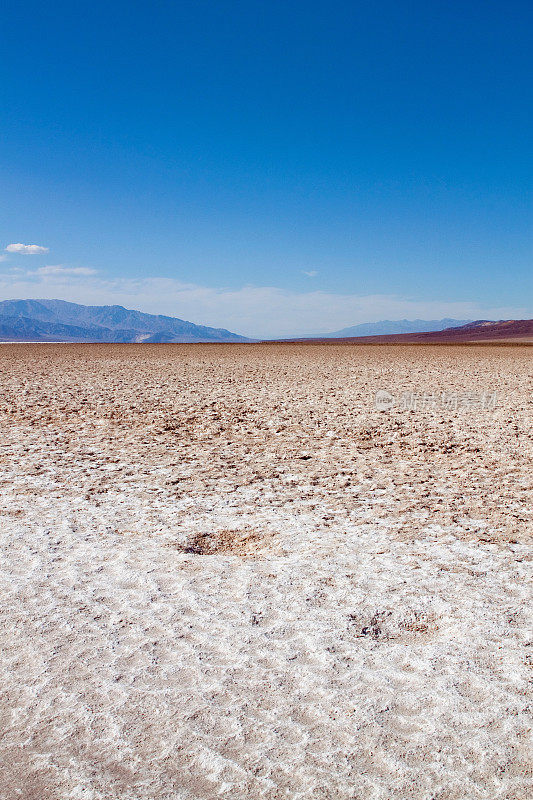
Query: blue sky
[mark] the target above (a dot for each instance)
(272, 167)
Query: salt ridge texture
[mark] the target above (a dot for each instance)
(224, 574)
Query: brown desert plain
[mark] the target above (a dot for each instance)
(226, 574)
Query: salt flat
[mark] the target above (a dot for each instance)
(226, 574)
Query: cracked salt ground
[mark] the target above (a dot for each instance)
(285, 639)
(145, 668)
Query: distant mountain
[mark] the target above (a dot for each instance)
(57, 320)
(513, 330)
(518, 331)
(388, 327)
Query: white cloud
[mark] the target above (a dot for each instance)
(256, 311)
(26, 249)
(58, 269)
(312, 273)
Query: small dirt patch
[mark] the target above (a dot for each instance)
(246, 543)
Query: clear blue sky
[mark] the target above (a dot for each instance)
(202, 157)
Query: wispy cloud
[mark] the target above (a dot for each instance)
(256, 311)
(59, 269)
(27, 249)
(311, 273)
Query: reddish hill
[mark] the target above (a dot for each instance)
(510, 330)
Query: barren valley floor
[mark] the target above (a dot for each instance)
(226, 574)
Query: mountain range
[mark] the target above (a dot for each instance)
(59, 321)
(519, 331)
(389, 327)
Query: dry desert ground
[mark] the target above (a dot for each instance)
(226, 574)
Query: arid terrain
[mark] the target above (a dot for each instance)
(510, 331)
(226, 574)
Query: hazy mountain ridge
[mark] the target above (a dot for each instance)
(387, 326)
(481, 330)
(58, 320)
